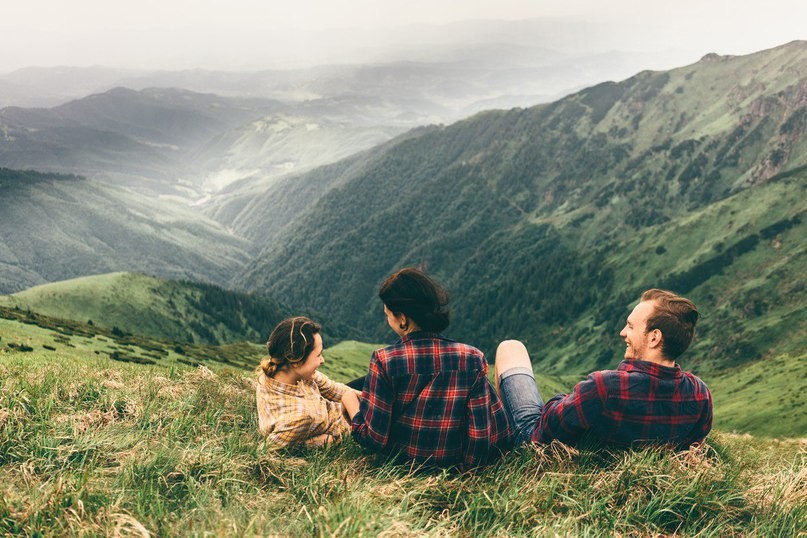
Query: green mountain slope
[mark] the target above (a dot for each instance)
(741, 260)
(38, 338)
(547, 223)
(144, 305)
(55, 227)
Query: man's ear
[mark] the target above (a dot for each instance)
(654, 338)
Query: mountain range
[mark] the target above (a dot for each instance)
(429, 73)
(172, 141)
(545, 223)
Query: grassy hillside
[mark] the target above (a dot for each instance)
(765, 397)
(144, 305)
(44, 337)
(92, 447)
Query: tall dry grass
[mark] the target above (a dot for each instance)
(87, 449)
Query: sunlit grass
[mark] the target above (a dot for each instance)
(93, 447)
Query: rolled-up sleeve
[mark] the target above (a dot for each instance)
(330, 390)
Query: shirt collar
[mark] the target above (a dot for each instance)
(416, 335)
(650, 368)
(279, 387)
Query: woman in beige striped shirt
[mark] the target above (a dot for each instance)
(298, 405)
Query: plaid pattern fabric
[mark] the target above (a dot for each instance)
(639, 402)
(428, 398)
(297, 414)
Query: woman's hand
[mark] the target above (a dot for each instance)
(350, 402)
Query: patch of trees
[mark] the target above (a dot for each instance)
(243, 314)
(601, 98)
(122, 356)
(20, 347)
(685, 281)
(796, 123)
(528, 285)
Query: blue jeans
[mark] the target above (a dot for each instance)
(522, 401)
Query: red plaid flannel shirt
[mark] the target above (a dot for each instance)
(639, 402)
(429, 399)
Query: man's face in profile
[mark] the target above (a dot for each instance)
(635, 331)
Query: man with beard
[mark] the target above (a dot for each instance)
(648, 399)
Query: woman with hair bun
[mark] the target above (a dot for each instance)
(297, 404)
(427, 398)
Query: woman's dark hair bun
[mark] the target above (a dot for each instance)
(411, 292)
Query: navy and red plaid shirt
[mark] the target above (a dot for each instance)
(639, 402)
(428, 398)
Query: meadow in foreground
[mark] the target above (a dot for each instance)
(91, 447)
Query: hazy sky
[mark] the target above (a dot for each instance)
(252, 34)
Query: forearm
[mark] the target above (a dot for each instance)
(350, 402)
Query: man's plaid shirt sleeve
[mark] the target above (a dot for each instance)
(565, 417)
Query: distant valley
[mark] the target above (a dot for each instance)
(181, 143)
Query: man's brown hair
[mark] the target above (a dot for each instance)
(675, 317)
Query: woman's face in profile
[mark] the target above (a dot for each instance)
(314, 360)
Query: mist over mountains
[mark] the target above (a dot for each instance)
(186, 133)
(545, 222)
(456, 67)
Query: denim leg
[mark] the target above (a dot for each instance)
(522, 401)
